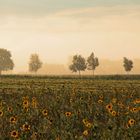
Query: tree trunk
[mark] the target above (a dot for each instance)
(0, 72)
(93, 72)
(79, 73)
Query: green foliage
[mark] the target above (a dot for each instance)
(128, 64)
(6, 63)
(78, 64)
(93, 62)
(77, 109)
(35, 64)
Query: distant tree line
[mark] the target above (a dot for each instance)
(79, 63)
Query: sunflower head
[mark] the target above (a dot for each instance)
(137, 101)
(101, 96)
(50, 121)
(85, 121)
(113, 113)
(134, 110)
(89, 125)
(85, 133)
(45, 112)
(131, 122)
(68, 114)
(9, 109)
(114, 100)
(14, 134)
(26, 127)
(34, 135)
(109, 106)
(25, 103)
(100, 101)
(13, 119)
(131, 95)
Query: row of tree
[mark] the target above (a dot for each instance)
(6, 62)
(79, 63)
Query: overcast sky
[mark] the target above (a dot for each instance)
(57, 29)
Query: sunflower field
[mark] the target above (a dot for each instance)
(69, 109)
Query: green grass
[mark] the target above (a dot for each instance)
(76, 108)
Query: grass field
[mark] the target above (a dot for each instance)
(69, 108)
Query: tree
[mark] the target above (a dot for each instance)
(128, 64)
(35, 64)
(6, 63)
(78, 64)
(92, 62)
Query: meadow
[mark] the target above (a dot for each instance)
(69, 108)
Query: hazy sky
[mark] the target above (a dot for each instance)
(57, 29)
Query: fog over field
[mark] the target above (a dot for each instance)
(56, 30)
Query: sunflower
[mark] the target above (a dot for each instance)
(13, 120)
(89, 125)
(120, 103)
(85, 133)
(1, 113)
(134, 110)
(131, 122)
(45, 112)
(100, 101)
(79, 112)
(26, 127)
(114, 100)
(137, 101)
(84, 121)
(14, 134)
(25, 103)
(101, 96)
(9, 109)
(113, 113)
(132, 95)
(34, 135)
(68, 114)
(109, 106)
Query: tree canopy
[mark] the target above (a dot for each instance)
(128, 64)
(78, 64)
(35, 63)
(92, 62)
(6, 63)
